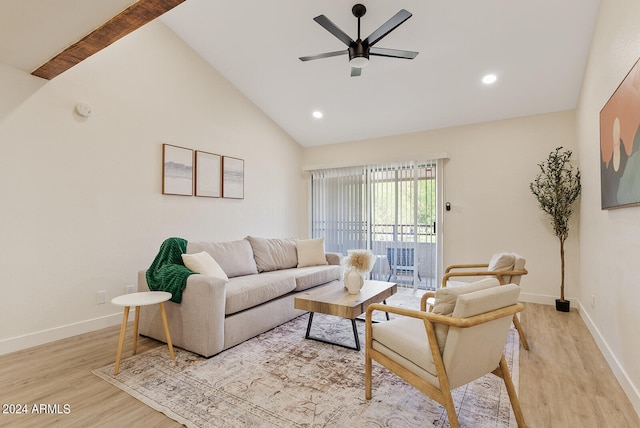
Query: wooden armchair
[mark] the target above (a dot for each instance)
(507, 268)
(437, 353)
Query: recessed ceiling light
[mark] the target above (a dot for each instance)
(317, 114)
(489, 79)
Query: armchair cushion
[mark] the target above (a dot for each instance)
(502, 261)
(485, 301)
(405, 340)
(485, 341)
(518, 264)
(445, 302)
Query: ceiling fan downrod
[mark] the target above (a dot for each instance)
(358, 11)
(358, 52)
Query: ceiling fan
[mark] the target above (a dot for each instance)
(359, 50)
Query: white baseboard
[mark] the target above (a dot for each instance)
(620, 373)
(544, 299)
(19, 343)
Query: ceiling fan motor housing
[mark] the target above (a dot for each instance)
(358, 50)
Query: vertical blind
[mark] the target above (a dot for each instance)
(390, 209)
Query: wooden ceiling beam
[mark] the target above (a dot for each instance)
(132, 18)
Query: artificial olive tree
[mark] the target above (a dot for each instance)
(556, 188)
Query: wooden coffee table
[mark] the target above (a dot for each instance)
(333, 299)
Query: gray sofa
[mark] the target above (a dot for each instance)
(254, 294)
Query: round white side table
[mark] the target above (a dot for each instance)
(136, 300)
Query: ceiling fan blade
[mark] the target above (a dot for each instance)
(333, 29)
(392, 53)
(324, 55)
(355, 71)
(387, 27)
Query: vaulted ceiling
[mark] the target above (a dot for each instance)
(537, 50)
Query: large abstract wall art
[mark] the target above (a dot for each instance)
(620, 143)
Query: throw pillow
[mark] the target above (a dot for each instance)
(446, 299)
(311, 252)
(204, 264)
(273, 254)
(501, 261)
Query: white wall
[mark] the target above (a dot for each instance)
(15, 86)
(487, 180)
(609, 239)
(82, 208)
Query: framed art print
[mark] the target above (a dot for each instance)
(177, 170)
(620, 144)
(232, 178)
(208, 174)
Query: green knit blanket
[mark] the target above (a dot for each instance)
(167, 272)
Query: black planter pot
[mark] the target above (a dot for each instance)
(563, 305)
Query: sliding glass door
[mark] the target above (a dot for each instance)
(391, 209)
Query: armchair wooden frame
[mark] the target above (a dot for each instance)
(462, 270)
(441, 394)
(451, 271)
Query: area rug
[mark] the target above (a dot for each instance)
(281, 379)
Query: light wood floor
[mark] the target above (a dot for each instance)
(564, 380)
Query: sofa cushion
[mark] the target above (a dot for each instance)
(446, 299)
(204, 264)
(311, 252)
(273, 254)
(333, 258)
(244, 292)
(234, 257)
(311, 276)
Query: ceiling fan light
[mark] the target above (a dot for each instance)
(358, 55)
(359, 62)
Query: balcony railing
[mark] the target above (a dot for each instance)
(343, 236)
(403, 232)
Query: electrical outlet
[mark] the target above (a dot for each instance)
(101, 297)
(130, 289)
(593, 301)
